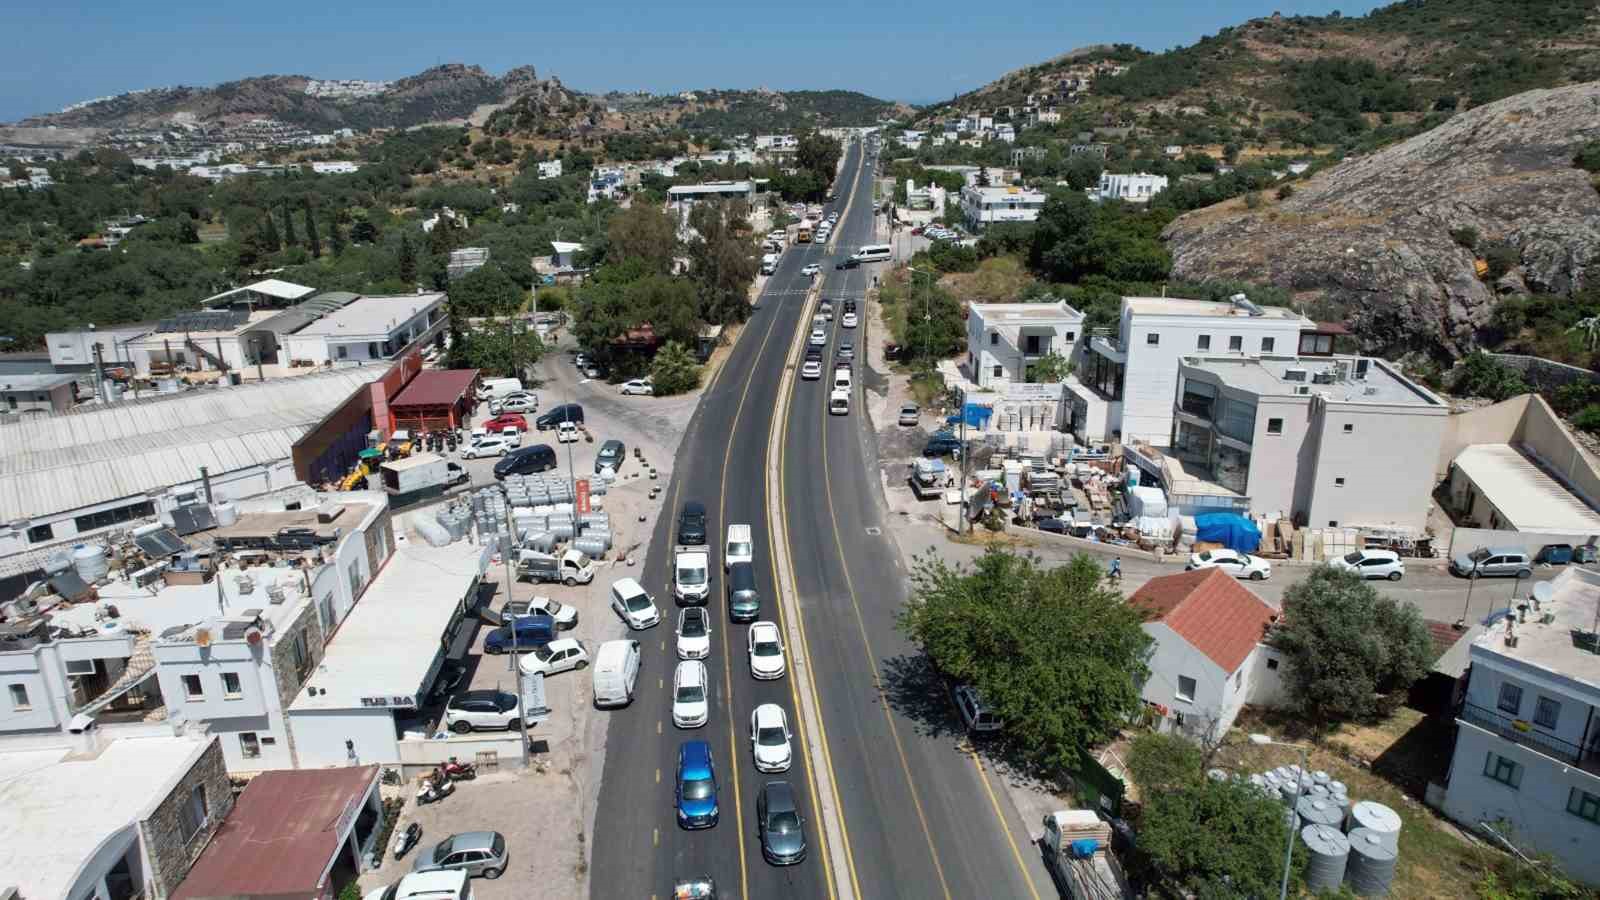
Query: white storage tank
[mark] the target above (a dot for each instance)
(1377, 818)
(1370, 870)
(1327, 852)
(90, 561)
(227, 513)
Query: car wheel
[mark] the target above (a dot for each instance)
(1257, 576)
(570, 581)
(491, 874)
(582, 664)
(461, 727)
(1524, 573)
(1394, 576)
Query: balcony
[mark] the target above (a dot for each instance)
(1106, 343)
(1521, 732)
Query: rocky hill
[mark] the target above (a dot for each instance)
(443, 93)
(1406, 243)
(760, 111)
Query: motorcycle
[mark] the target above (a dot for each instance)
(405, 840)
(460, 771)
(434, 788)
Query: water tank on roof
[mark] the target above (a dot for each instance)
(90, 561)
(1370, 869)
(227, 514)
(58, 562)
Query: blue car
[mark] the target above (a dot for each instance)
(532, 631)
(697, 786)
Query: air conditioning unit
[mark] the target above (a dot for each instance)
(80, 666)
(1302, 389)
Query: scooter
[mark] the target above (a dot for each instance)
(434, 788)
(460, 771)
(405, 840)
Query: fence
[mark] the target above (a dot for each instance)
(1097, 786)
(1466, 540)
(418, 754)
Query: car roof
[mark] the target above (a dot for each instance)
(780, 796)
(473, 840)
(695, 754)
(694, 507)
(609, 444)
(769, 714)
(627, 586)
(432, 881)
(764, 627)
(480, 694)
(739, 531)
(690, 671)
(1381, 554)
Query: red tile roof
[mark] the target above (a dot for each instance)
(435, 387)
(281, 835)
(1208, 608)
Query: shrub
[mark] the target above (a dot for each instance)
(1286, 192)
(1501, 258)
(1588, 419)
(1252, 200)
(1466, 236)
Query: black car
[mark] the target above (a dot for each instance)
(942, 444)
(526, 461)
(783, 837)
(849, 306)
(612, 453)
(566, 412)
(813, 352)
(847, 351)
(849, 262)
(692, 524)
(1053, 525)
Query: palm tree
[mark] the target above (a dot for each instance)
(1591, 329)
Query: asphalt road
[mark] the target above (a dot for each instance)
(638, 848)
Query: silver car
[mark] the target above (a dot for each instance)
(1490, 562)
(910, 415)
(475, 852)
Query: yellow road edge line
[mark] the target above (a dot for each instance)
(994, 801)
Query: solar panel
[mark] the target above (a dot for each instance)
(195, 517)
(161, 543)
(205, 320)
(69, 585)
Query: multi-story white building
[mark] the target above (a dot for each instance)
(1138, 188)
(1006, 340)
(369, 329)
(1330, 441)
(1134, 373)
(550, 169)
(1527, 754)
(983, 206)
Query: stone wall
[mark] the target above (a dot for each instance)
(172, 852)
(286, 673)
(1545, 375)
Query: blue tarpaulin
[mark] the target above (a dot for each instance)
(1231, 530)
(1083, 848)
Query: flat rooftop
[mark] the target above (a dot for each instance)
(713, 187)
(387, 643)
(58, 805)
(1177, 306)
(1528, 497)
(34, 382)
(1270, 376)
(1023, 313)
(1566, 645)
(372, 315)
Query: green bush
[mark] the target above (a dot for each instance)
(1480, 376)
(1588, 159)
(1466, 236)
(1588, 419)
(1286, 192)
(1501, 258)
(674, 370)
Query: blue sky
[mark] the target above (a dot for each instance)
(897, 49)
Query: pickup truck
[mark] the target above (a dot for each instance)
(691, 574)
(927, 478)
(568, 567)
(1077, 851)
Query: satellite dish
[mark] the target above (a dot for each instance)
(253, 637)
(1542, 592)
(202, 637)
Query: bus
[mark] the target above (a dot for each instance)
(802, 235)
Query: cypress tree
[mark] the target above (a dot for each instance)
(312, 240)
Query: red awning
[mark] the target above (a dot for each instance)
(282, 834)
(435, 387)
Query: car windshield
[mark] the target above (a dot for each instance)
(691, 575)
(691, 693)
(699, 789)
(444, 849)
(771, 737)
(543, 653)
(1353, 558)
(1207, 556)
(1479, 555)
(739, 548)
(767, 648)
(694, 626)
(553, 607)
(785, 823)
(637, 602)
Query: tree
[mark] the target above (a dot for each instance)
(336, 238)
(674, 370)
(407, 260)
(1349, 651)
(363, 231)
(999, 279)
(506, 348)
(1479, 375)
(487, 291)
(645, 232)
(1052, 368)
(819, 155)
(1164, 762)
(1215, 839)
(267, 236)
(313, 242)
(934, 326)
(722, 260)
(1053, 652)
(289, 239)
(1083, 171)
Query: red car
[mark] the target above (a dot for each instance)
(507, 420)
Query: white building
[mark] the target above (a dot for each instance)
(459, 220)
(336, 167)
(1006, 340)
(684, 196)
(1134, 373)
(371, 329)
(108, 815)
(465, 261)
(1328, 441)
(549, 169)
(37, 393)
(1005, 132)
(1047, 116)
(1209, 656)
(1527, 751)
(564, 259)
(1131, 188)
(929, 196)
(360, 705)
(983, 206)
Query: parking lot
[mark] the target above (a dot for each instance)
(546, 812)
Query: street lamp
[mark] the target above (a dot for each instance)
(1262, 740)
(927, 315)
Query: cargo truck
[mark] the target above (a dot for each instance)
(1077, 851)
(569, 567)
(418, 477)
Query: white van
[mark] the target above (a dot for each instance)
(839, 402)
(871, 253)
(841, 379)
(494, 388)
(769, 263)
(616, 671)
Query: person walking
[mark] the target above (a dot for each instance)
(1115, 573)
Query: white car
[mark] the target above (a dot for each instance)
(741, 546)
(513, 434)
(769, 738)
(517, 403)
(849, 320)
(566, 616)
(1372, 564)
(567, 432)
(691, 695)
(811, 270)
(694, 633)
(839, 402)
(477, 710)
(1239, 565)
(437, 884)
(811, 369)
(564, 655)
(492, 445)
(818, 337)
(766, 651)
(634, 604)
(641, 386)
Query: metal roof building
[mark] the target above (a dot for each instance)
(1523, 495)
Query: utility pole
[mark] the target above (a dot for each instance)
(99, 374)
(516, 645)
(961, 523)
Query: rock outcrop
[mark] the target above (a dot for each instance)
(1372, 237)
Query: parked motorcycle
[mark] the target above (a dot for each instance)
(460, 771)
(434, 788)
(405, 840)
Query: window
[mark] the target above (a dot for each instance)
(1510, 694)
(1186, 688)
(1349, 428)
(1153, 339)
(40, 533)
(999, 371)
(1333, 523)
(1546, 713)
(1274, 426)
(1272, 665)
(1238, 679)
(1318, 344)
(1297, 376)
(1338, 482)
(1503, 770)
(1070, 336)
(19, 698)
(192, 688)
(341, 351)
(1202, 342)
(1584, 805)
(1267, 344)
(994, 338)
(297, 648)
(230, 686)
(249, 745)
(1236, 342)
(192, 817)
(108, 517)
